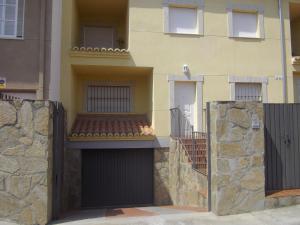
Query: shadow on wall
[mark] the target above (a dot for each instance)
(71, 199)
(161, 177)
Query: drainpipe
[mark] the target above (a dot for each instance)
(283, 53)
(40, 92)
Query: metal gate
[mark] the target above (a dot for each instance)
(58, 157)
(112, 178)
(282, 141)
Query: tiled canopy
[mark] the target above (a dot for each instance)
(111, 125)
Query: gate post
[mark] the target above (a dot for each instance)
(237, 157)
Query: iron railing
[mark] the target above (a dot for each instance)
(4, 96)
(193, 142)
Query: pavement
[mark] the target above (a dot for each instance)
(178, 216)
(182, 216)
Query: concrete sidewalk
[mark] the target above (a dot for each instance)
(163, 216)
(282, 216)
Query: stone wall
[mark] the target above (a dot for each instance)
(161, 177)
(237, 157)
(25, 161)
(187, 186)
(72, 180)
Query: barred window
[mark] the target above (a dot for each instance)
(248, 92)
(109, 99)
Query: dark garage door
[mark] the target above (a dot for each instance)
(117, 178)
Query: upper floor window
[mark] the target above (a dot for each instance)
(99, 37)
(11, 18)
(183, 17)
(245, 24)
(245, 21)
(109, 99)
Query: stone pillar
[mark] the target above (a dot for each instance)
(26, 161)
(161, 177)
(237, 157)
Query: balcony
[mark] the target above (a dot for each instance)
(295, 32)
(100, 29)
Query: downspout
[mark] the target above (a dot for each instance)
(54, 86)
(283, 53)
(40, 92)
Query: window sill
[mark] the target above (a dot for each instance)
(244, 38)
(11, 38)
(184, 34)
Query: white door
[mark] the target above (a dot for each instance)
(298, 90)
(185, 98)
(101, 37)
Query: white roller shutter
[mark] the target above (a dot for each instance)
(183, 20)
(245, 24)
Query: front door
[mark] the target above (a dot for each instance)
(185, 97)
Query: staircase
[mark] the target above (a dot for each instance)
(196, 149)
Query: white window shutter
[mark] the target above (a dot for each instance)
(183, 20)
(245, 24)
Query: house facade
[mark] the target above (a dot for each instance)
(125, 64)
(27, 69)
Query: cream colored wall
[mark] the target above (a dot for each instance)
(214, 55)
(139, 84)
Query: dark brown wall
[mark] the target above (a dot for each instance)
(19, 59)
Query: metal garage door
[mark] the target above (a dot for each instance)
(113, 178)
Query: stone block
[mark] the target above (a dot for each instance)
(41, 121)
(8, 165)
(18, 186)
(26, 216)
(8, 114)
(253, 180)
(33, 165)
(286, 201)
(239, 118)
(18, 150)
(8, 205)
(26, 119)
(271, 203)
(2, 183)
(233, 150)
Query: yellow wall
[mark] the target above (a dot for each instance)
(139, 84)
(214, 55)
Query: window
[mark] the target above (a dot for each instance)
(183, 16)
(11, 18)
(246, 21)
(109, 99)
(245, 24)
(183, 20)
(245, 88)
(248, 92)
(102, 37)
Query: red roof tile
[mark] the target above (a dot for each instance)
(111, 125)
